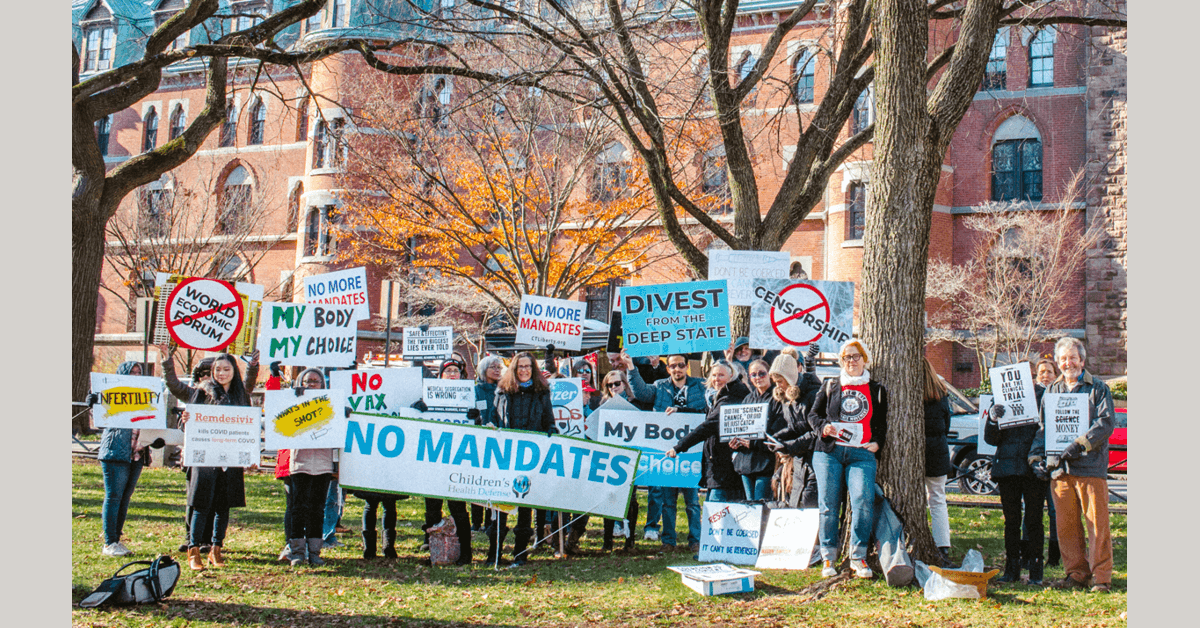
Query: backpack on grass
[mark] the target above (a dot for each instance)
(151, 584)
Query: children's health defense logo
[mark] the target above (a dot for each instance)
(520, 486)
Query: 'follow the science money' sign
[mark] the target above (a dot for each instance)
(482, 465)
(671, 318)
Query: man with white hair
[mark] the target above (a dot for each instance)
(1079, 475)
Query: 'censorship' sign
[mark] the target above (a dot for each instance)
(789, 313)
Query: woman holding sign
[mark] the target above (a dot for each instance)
(753, 460)
(309, 473)
(452, 368)
(121, 464)
(850, 414)
(616, 384)
(212, 491)
(522, 403)
(716, 467)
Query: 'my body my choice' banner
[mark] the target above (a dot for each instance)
(654, 433)
(483, 465)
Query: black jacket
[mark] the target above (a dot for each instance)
(937, 425)
(1012, 445)
(827, 408)
(202, 481)
(809, 385)
(716, 467)
(759, 460)
(525, 410)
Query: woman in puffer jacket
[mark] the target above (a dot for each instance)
(716, 467)
(796, 484)
(752, 459)
(121, 465)
(309, 472)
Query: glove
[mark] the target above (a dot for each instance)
(92, 399)
(474, 415)
(420, 405)
(1073, 451)
(1039, 470)
(158, 443)
(1057, 472)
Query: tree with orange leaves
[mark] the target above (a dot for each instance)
(510, 194)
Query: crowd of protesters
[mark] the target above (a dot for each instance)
(824, 439)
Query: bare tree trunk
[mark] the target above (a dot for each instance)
(739, 321)
(87, 251)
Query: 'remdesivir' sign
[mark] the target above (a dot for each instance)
(483, 464)
(671, 318)
(791, 313)
(545, 321)
(654, 433)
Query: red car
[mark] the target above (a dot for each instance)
(1117, 445)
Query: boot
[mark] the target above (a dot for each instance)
(522, 537)
(1036, 569)
(285, 553)
(1012, 570)
(369, 538)
(389, 543)
(296, 549)
(194, 560)
(215, 558)
(573, 542)
(1055, 558)
(314, 551)
(945, 552)
(495, 542)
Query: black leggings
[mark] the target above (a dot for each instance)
(371, 510)
(308, 505)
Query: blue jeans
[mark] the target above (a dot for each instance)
(333, 510)
(120, 478)
(758, 487)
(205, 520)
(653, 507)
(852, 468)
(724, 495)
(667, 500)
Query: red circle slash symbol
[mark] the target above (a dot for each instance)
(204, 314)
(793, 329)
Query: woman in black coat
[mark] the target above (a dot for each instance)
(753, 459)
(797, 484)
(522, 403)
(1022, 494)
(937, 458)
(716, 467)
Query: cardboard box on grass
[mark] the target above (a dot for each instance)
(970, 578)
(716, 579)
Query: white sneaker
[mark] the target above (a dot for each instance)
(619, 530)
(110, 550)
(122, 550)
(828, 571)
(861, 570)
(651, 535)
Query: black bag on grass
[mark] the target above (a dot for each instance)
(151, 584)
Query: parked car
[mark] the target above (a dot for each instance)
(1117, 445)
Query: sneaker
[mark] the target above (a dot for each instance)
(121, 550)
(1069, 583)
(861, 570)
(1101, 588)
(828, 571)
(334, 542)
(110, 550)
(424, 547)
(618, 530)
(651, 535)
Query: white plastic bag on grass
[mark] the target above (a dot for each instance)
(973, 562)
(938, 587)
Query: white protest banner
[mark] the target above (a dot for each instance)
(448, 395)
(222, 436)
(315, 419)
(1014, 400)
(789, 540)
(457, 418)
(341, 288)
(793, 313)
(545, 321)
(378, 391)
(653, 433)
(483, 464)
(566, 399)
(1067, 418)
(430, 344)
(741, 268)
(730, 532)
(747, 420)
(298, 334)
(131, 401)
(982, 447)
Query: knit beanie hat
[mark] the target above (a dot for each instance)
(785, 366)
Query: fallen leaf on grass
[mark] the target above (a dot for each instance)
(621, 580)
(531, 580)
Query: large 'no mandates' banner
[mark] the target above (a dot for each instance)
(482, 465)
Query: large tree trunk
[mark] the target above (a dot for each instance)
(87, 259)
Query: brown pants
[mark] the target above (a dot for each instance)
(1076, 497)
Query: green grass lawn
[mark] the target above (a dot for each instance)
(594, 589)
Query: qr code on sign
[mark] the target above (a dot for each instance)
(197, 456)
(244, 458)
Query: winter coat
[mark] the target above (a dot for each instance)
(183, 392)
(809, 385)
(486, 392)
(662, 393)
(716, 467)
(760, 460)
(312, 461)
(1102, 421)
(117, 443)
(827, 408)
(937, 425)
(525, 410)
(202, 481)
(1012, 445)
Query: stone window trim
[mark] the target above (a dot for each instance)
(257, 120)
(320, 202)
(328, 154)
(176, 107)
(803, 94)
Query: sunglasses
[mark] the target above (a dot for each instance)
(613, 385)
(758, 373)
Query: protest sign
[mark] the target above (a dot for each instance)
(675, 318)
(653, 433)
(789, 539)
(448, 395)
(1013, 397)
(204, 314)
(340, 288)
(566, 399)
(299, 334)
(982, 447)
(315, 419)
(222, 436)
(378, 391)
(435, 343)
(1067, 418)
(790, 313)
(730, 532)
(483, 464)
(716, 579)
(741, 268)
(748, 420)
(457, 418)
(130, 401)
(545, 321)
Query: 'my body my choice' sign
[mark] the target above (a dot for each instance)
(654, 433)
(483, 465)
(299, 334)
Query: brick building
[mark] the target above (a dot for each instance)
(1053, 104)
